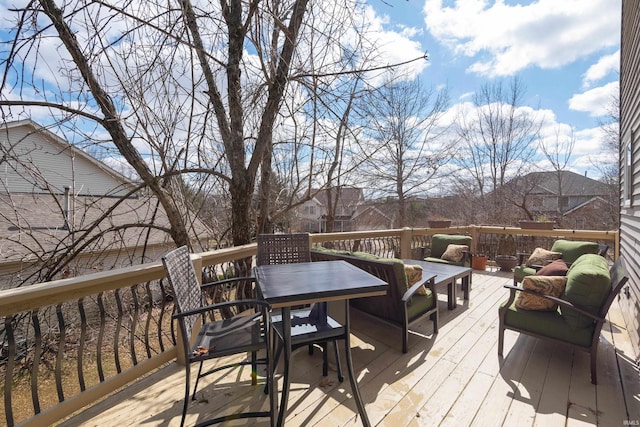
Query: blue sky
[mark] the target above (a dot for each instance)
(565, 52)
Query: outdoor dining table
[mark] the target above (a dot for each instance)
(286, 285)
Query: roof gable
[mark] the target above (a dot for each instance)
(349, 196)
(37, 161)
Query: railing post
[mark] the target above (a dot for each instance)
(473, 230)
(406, 237)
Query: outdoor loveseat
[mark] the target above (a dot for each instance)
(403, 304)
(567, 250)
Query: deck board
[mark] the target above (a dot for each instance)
(453, 378)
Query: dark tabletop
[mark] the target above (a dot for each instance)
(308, 282)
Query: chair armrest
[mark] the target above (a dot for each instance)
(427, 280)
(521, 256)
(227, 281)
(201, 310)
(556, 300)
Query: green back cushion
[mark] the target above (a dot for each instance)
(439, 243)
(572, 250)
(588, 285)
(331, 251)
(398, 268)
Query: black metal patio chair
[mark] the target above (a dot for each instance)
(228, 327)
(289, 249)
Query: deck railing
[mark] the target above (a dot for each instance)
(68, 343)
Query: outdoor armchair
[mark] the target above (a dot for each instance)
(440, 245)
(582, 305)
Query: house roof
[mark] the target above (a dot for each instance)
(349, 196)
(573, 184)
(59, 164)
(33, 225)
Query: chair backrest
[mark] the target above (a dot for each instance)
(439, 243)
(619, 277)
(283, 248)
(183, 280)
(571, 250)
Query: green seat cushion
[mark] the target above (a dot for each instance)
(419, 304)
(572, 250)
(439, 243)
(521, 271)
(588, 285)
(547, 323)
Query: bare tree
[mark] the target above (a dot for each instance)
(407, 143)
(500, 138)
(558, 152)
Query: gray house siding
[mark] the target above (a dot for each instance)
(630, 164)
(59, 165)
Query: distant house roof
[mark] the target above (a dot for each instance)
(58, 164)
(572, 184)
(39, 219)
(349, 196)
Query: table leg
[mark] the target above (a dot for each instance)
(352, 378)
(466, 286)
(286, 331)
(451, 295)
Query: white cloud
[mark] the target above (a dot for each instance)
(595, 101)
(391, 46)
(601, 69)
(504, 39)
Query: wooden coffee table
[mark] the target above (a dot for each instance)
(446, 275)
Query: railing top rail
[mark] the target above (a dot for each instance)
(17, 300)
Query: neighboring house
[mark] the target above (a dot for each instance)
(563, 196)
(630, 167)
(558, 192)
(312, 214)
(57, 201)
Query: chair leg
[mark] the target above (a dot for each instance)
(500, 339)
(338, 365)
(254, 368)
(195, 388)
(325, 359)
(594, 354)
(185, 404)
(435, 319)
(405, 338)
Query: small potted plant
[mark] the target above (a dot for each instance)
(541, 222)
(506, 259)
(479, 261)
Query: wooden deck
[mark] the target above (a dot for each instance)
(454, 378)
